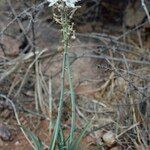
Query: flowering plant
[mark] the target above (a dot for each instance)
(69, 3)
(63, 15)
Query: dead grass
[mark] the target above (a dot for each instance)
(112, 82)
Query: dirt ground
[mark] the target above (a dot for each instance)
(110, 59)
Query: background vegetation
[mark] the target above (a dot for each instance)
(109, 53)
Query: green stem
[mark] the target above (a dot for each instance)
(66, 34)
(72, 100)
(58, 122)
(66, 65)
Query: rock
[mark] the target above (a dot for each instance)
(134, 14)
(109, 138)
(9, 46)
(5, 134)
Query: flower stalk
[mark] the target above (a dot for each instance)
(66, 70)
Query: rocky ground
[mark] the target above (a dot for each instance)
(110, 59)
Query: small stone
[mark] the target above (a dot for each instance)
(109, 138)
(17, 143)
(5, 134)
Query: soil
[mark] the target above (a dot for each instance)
(110, 63)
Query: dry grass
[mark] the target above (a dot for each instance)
(115, 92)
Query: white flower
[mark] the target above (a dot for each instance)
(69, 3)
(52, 2)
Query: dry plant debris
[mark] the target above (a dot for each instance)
(111, 66)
